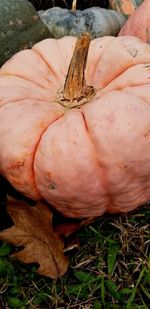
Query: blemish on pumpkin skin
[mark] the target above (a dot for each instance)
(52, 186)
(17, 165)
(147, 134)
(122, 165)
(132, 51)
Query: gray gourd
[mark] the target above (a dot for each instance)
(97, 21)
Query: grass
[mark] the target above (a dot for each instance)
(109, 268)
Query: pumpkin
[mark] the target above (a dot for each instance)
(20, 27)
(126, 7)
(75, 124)
(138, 23)
(97, 21)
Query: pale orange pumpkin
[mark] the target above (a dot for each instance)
(138, 23)
(126, 7)
(82, 142)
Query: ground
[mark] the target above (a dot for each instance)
(109, 268)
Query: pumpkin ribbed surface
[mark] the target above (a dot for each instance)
(85, 160)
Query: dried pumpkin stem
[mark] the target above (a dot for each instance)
(75, 86)
(74, 5)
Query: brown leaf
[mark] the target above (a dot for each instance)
(33, 230)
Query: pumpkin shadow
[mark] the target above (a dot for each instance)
(81, 5)
(6, 190)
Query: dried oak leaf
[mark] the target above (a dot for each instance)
(33, 230)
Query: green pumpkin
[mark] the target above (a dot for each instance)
(20, 27)
(97, 21)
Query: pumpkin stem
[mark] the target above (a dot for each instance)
(74, 5)
(75, 88)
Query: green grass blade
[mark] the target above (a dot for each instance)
(113, 251)
(130, 301)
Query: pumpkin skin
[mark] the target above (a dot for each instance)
(20, 27)
(86, 160)
(138, 23)
(97, 21)
(126, 7)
